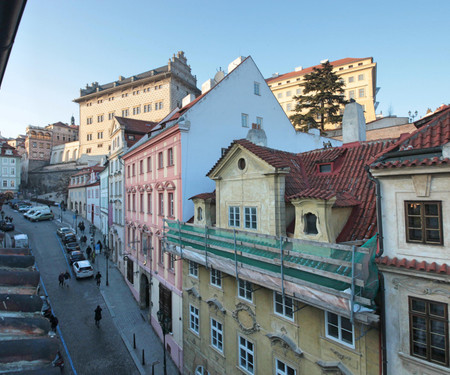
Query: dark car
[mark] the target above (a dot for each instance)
(72, 246)
(75, 256)
(69, 237)
(6, 226)
(63, 231)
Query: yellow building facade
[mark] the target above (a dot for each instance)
(358, 74)
(149, 96)
(251, 303)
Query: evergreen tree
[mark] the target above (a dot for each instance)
(321, 99)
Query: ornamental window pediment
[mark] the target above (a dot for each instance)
(169, 185)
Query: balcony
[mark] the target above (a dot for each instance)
(339, 278)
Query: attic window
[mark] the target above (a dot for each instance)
(310, 223)
(241, 164)
(131, 137)
(199, 214)
(325, 168)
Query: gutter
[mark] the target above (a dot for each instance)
(383, 349)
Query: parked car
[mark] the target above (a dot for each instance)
(76, 256)
(18, 204)
(72, 246)
(41, 216)
(23, 208)
(6, 226)
(64, 230)
(69, 237)
(83, 269)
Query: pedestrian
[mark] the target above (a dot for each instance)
(61, 279)
(67, 277)
(98, 316)
(53, 322)
(98, 278)
(99, 246)
(88, 252)
(81, 226)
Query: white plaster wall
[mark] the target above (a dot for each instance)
(215, 121)
(396, 190)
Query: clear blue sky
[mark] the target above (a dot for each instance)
(62, 45)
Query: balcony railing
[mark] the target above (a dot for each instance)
(343, 271)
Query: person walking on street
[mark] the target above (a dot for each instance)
(98, 278)
(67, 277)
(99, 246)
(61, 279)
(88, 252)
(81, 226)
(98, 316)
(53, 322)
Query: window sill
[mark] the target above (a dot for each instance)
(416, 362)
(217, 351)
(341, 345)
(243, 371)
(286, 319)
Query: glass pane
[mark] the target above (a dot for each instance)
(433, 236)
(419, 322)
(419, 336)
(431, 209)
(347, 337)
(420, 350)
(346, 324)
(418, 305)
(333, 331)
(432, 223)
(414, 222)
(438, 341)
(437, 309)
(414, 208)
(438, 355)
(437, 327)
(332, 318)
(415, 234)
(290, 371)
(280, 365)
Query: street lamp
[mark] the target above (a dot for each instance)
(164, 322)
(107, 257)
(75, 221)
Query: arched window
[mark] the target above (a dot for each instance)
(199, 214)
(310, 223)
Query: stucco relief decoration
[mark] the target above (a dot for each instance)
(418, 287)
(285, 342)
(145, 229)
(246, 318)
(141, 188)
(169, 185)
(216, 304)
(133, 189)
(148, 187)
(159, 186)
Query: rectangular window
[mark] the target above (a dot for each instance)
(351, 94)
(133, 198)
(361, 93)
(171, 207)
(288, 93)
(100, 135)
(244, 120)
(245, 290)
(161, 253)
(234, 216)
(259, 122)
(289, 107)
(256, 88)
(125, 112)
(282, 368)
(193, 269)
(160, 160)
(128, 172)
(165, 303)
(298, 91)
(250, 217)
(161, 204)
(246, 355)
(149, 164)
(13, 172)
(217, 335)
(193, 319)
(170, 157)
(11, 183)
(339, 329)
(283, 308)
(88, 150)
(424, 222)
(136, 110)
(147, 108)
(89, 137)
(100, 118)
(280, 95)
(141, 203)
(141, 166)
(89, 121)
(110, 115)
(428, 335)
(351, 79)
(216, 278)
(171, 262)
(361, 77)
(149, 203)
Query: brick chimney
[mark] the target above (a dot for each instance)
(353, 123)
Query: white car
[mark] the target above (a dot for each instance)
(83, 269)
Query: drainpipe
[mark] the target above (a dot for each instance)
(383, 349)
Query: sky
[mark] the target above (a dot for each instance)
(62, 45)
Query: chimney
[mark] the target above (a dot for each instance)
(299, 68)
(187, 99)
(208, 85)
(121, 78)
(353, 123)
(235, 63)
(324, 61)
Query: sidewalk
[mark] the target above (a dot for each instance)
(125, 312)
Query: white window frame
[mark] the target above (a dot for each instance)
(193, 269)
(286, 305)
(194, 319)
(234, 216)
(244, 362)
(215, 278)
(363, 92)
(284, 371)
(257, 88)
(245, 290)
(250, 217)
(259, 121)
(217, 335)
(244, 120)
(340, 329)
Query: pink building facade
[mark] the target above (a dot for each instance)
(152, 193)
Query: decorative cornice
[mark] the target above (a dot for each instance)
(285, 342)
(417, 287)
(215, 302)
(193, 292)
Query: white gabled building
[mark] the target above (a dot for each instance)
(10, 168)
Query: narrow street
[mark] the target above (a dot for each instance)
(91, 350)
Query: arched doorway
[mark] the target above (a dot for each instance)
(144, 292)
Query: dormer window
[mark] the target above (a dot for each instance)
(199, 214)
(325, 168)
(310, 223)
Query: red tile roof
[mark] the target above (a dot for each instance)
(348, 181)
(419, 148)
(413, 264)
(136, 128)
(347, 60)
(205, 196)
